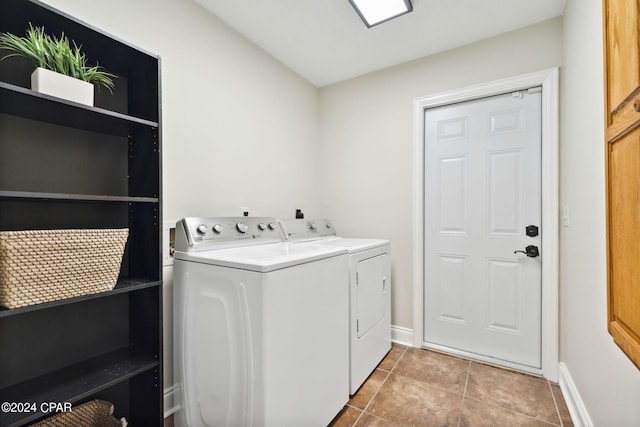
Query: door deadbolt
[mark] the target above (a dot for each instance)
(531, 230)
(530, 251)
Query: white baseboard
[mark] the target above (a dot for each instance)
(169, 400)
(401, 335)
(577, 409)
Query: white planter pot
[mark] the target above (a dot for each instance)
(56, 84)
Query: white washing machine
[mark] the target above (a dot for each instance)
(369, 292)
(261, 330)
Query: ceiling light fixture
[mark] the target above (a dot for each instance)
(374, 12)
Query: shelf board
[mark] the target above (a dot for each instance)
(74, 383)
(23, 102)
(74, 197)
(123, 286)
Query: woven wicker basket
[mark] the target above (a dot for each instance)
(95, 413)
(38, 266)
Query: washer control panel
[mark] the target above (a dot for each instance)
(204, 233)
(306, 229)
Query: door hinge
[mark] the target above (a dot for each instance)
(520, 94)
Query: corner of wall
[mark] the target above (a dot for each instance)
(402, 336)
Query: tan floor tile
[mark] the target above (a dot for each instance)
(480, 414)
(347, 418)
(565, 416)
(368, 389)
(513, 391)
(410, 402)
(392, 357)
(368, 420)
(434, 368)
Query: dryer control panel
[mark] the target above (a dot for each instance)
(306, 229)
(195, 234)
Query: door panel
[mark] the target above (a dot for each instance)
(372, 292)
(624, 247)
(505, 285)
(482, 189)
(622, 61)
(453, 194)
(505, 191)
(451, 288)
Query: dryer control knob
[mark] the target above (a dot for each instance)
(262, 226)
(217, 228)
(202, 229)
(242, 227)
(272, 226)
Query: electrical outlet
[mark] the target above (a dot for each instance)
(168, 242)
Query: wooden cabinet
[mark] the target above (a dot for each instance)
(622, 144)
(66, 165)
(622, 66)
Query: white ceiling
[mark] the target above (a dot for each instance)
(325, 41)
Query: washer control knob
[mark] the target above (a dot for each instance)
(202, 229)
(272, 226)
(262, 226)
(312, 226)
(217, 228)
(242, 227)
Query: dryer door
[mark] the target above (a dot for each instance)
(373, 291)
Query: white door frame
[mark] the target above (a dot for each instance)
(548, 79)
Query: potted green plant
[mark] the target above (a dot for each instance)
(61, 68)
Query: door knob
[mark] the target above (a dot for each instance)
(530, 251)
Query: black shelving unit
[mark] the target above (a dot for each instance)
(65, 165)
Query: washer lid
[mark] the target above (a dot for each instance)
(264, 258)
(354, 245)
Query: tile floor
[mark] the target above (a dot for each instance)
(414, 387)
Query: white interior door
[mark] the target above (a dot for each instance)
(482, 191)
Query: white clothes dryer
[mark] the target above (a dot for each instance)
(369, 292)
(260, 326)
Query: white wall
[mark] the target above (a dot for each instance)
(607, 382)
(231, 114)
(366, 151)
